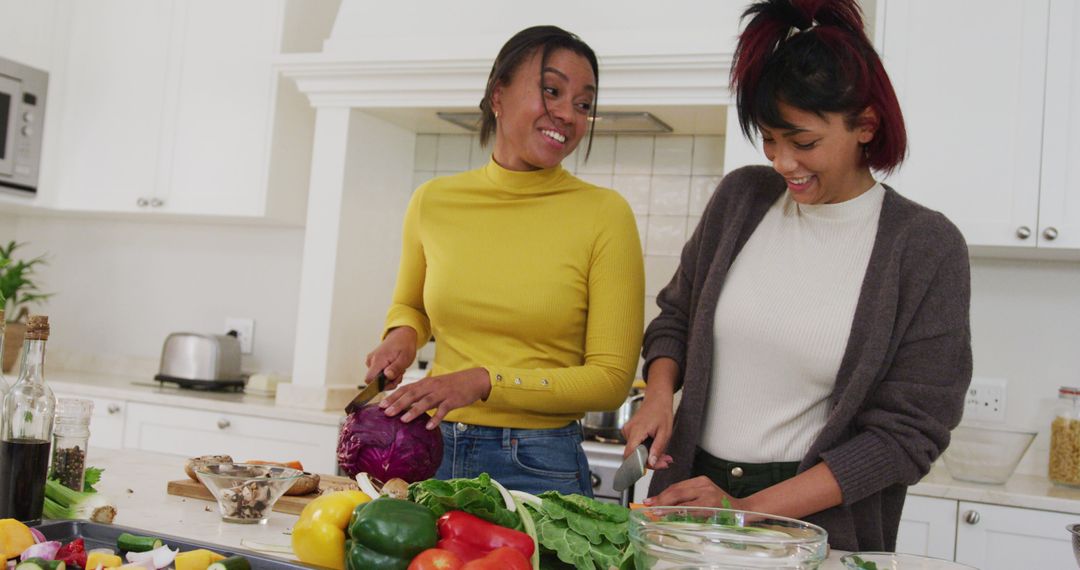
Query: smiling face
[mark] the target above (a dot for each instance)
(820, 158)
(529, 136)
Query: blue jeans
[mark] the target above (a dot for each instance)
(530, 460)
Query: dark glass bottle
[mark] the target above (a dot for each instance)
(26, 431)
(3, 383)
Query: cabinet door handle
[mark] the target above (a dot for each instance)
(156, 202)
(223, 423)
(1050, 233)
(972, 517)
(113, 409)
(142, 202)
(1023, 232)
(595, 480)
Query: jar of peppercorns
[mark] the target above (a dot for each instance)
(71, 433)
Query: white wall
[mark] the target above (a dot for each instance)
(122, 286)
(1025, 318)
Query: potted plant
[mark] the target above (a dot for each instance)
(17, 292)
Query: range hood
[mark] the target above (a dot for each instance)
(605, 122)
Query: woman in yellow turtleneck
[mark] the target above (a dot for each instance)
(530, 279)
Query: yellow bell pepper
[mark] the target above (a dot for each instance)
(200, 559)
(94, 559)
(319, 535)
(15, 537)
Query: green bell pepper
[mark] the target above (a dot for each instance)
(389, 533)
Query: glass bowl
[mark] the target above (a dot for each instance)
(709, 538)
(985, 454)
(246, 493)
(893, 561)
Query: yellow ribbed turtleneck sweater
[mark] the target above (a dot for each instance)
(535, 276)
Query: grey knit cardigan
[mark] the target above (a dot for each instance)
(907, 365)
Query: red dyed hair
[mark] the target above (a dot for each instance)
(815, 56)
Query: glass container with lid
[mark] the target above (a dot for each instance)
(71, 433)
(1064, 468)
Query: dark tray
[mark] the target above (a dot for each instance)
(97, 535)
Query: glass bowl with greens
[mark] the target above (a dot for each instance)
(670, 538)
(894, 561)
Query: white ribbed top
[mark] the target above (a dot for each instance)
(782, 324)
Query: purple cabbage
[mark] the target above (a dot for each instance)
(385, 447)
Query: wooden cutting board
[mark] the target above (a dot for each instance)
(286, 504)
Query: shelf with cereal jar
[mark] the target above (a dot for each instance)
(1064, 468)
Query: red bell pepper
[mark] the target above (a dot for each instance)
(73, 553)
(472, 537)
(502, 558)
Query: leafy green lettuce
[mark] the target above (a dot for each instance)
(583, 532)
(475, 496)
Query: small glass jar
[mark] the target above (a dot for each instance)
(1064, 466)
(71, 434)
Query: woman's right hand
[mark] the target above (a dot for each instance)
(393, 355)
(653, 419)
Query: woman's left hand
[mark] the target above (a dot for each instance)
(441, 393)
(696, 492)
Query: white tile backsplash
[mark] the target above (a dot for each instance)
(673, 155)
(667, 180)
(453, 153)
(635, 188)
(670, 195)
(633, 154)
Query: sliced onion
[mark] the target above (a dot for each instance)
(107, 551)
(510, 504)
(43, 550)
(154, 559)
(38, 537)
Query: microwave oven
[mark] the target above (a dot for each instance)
(22, 113)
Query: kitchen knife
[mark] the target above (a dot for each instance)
(633, 467)
(372, 389)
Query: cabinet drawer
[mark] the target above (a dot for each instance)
(106, 423)
(197, 432)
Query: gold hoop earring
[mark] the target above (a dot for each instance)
(496, 114)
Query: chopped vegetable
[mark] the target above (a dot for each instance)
(319, 535)
(479, 497)
(200, 559)
(863, 564)
(160, 557)
(38, 537)
(15, 537)
(44, 550)
(128, 542)
(40, 564)
(231, 563)
(64, 503)
(73, 553)
(98, 558)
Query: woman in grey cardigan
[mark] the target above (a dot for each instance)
(818, 321)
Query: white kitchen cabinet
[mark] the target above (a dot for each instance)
(26, 31)
(992, 537)
(1059, 203)
(174, 107)
(106, 421)
(973, 104)
(928, 527)
(190, 432)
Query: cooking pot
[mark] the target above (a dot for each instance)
(607, 426)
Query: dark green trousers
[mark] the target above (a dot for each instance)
(741, 480)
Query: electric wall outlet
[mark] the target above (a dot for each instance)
(245, 332)
(985, 400)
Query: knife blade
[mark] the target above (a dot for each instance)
(633, 467)
(372, 389)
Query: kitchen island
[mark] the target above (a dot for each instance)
(136, 481)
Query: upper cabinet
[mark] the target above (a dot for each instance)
(992, 116)
(174, 107)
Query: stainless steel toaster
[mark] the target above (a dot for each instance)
(198, 360)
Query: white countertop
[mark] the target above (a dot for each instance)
(146, 390)
(1024, 491)
(136, 481)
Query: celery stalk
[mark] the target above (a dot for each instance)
(64, 503)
